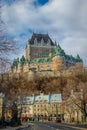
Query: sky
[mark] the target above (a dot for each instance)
(64, 20)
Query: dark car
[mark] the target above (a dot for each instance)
(7, 121)
(58, 120)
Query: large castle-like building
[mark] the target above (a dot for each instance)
(43, 57)
(42, 54)
(40, 45)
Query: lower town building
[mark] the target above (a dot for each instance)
(74, 107)
(56, 105)
(40, 106)
(7, 110)
(25, 107)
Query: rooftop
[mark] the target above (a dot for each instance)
(55, 97)
(39, 37)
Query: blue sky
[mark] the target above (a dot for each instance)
(64, 20)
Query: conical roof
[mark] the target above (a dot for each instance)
(78, 59)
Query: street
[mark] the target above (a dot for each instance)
(50, 126)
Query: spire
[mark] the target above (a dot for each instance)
(78, 59)
(78, 56)
(55, 43)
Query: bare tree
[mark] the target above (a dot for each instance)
(7, 44)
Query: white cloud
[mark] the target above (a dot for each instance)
(64, 20)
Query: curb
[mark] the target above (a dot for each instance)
(76, 127)
(71, 126)
(15, 128)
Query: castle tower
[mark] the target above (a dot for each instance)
(27, 52)
(25, 67)
(39, 45)
(19, 69)
(57, 63)
(79, 62)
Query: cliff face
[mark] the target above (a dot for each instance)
(32, 75)
(19, 84)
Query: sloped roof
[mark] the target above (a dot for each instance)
(28, 100)
(42, 98)
(59, 51)
(55, 98)
(39, 37)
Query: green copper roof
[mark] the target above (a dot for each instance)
(56, 52)
(60, 51)
(78, 59)
(40, 60)
(15, 62)
(23, 60)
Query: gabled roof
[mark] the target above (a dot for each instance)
(39, 37)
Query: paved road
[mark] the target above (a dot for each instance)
(47, 126)
(51, 126)
(57, 126)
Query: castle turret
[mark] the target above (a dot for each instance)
(60, 51)
(25, 67)
(79, 62)
(58, 62)
(27, 52)
(19, 68)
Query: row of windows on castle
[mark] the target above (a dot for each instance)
(42, 42)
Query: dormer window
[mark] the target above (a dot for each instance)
(42, 41)
(35, 41)
(49, 42)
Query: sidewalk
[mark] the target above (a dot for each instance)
(82, 125)
(72, 125)
(16, 128)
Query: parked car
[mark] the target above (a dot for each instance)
(8, 121)
(58, 120)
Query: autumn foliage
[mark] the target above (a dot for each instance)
(14, 88)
